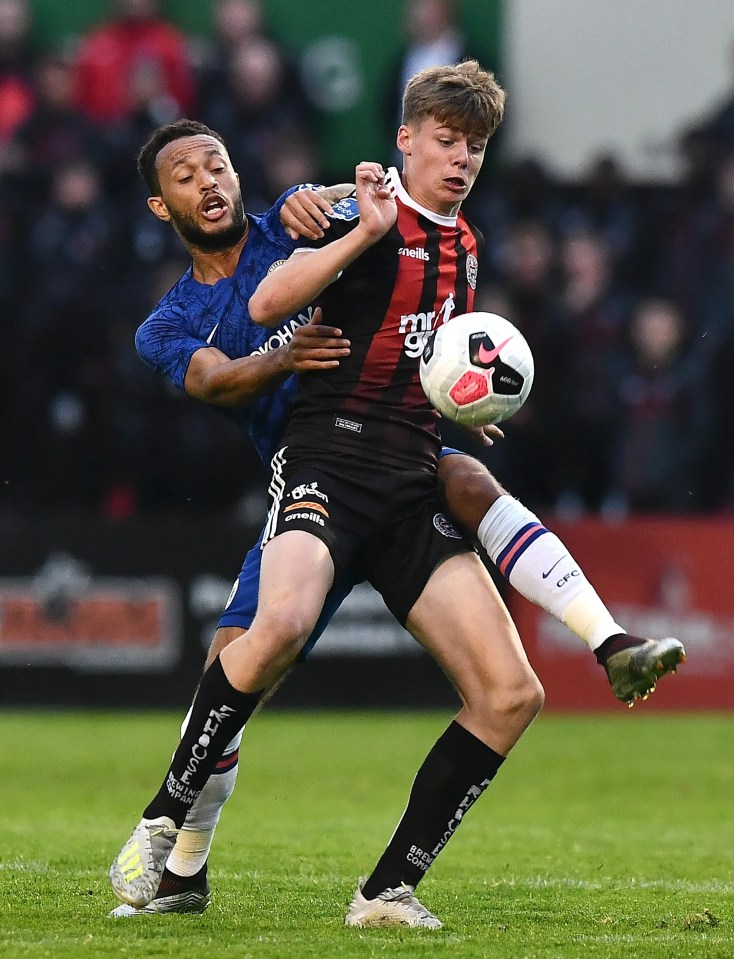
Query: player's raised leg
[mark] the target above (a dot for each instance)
(540, 567)
(296, 574)
(478, 647)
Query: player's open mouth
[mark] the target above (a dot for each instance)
(213, 209)
(455, 183)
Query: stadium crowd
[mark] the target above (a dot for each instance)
(625, 293)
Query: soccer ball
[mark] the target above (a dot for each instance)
(477, 369)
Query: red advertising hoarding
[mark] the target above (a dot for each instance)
(659, 577)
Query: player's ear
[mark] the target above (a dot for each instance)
(157, 206)
(403, 140)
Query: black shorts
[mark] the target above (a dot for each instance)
(386, 525)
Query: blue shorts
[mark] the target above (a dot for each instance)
(241, 606)
(449, 450)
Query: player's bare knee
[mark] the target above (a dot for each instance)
(535, 697)
(518, 703)
(285, 621)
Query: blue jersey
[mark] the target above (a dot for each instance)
(193, 315)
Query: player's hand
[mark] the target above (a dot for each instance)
(315, 346)
(304, 214)
(485, 435)
(377, 207)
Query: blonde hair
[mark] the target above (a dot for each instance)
(465, 97)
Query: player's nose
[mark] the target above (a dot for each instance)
(461, 153)
(207, 181)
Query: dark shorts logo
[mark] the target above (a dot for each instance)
(445, 528)
(308, 505)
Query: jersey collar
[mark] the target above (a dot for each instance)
(393, 179)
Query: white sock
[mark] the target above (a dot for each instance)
(539, 566)
(194, 840)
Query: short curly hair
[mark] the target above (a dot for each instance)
(162, 137)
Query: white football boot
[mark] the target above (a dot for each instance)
(393, 907)
(136, 872)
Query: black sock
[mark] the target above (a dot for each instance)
(453, 776)
(172, 883)
(218, 714)
(613, 645)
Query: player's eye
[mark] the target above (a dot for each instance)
(185, 179)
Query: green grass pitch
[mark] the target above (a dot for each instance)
(602, 837)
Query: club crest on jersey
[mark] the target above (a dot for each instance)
(274, 266)
(444, 527)
(346, 209)
(472, 267)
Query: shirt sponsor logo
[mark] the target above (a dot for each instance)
(284, 335)
(417, 253)
(346, 209)
(417, 327)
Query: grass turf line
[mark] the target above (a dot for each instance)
(602, 836)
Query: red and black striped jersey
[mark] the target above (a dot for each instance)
(419, 275)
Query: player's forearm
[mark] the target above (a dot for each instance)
(300, 280)
(238, 382)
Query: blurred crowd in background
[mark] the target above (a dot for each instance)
(625, 292)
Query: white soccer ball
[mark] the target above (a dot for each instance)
(477, 369)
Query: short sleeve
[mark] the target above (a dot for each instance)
(166, 346)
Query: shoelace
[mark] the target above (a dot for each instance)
(405, 895)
